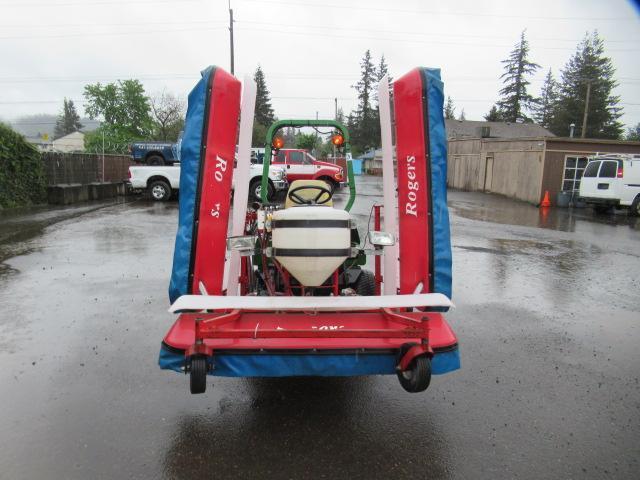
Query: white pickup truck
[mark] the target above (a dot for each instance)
(161, 181)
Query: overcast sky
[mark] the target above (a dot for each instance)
(310, 49)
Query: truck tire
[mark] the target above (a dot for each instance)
(634, 209)
(333, 185)
(155, 160)
(255, 189)
(160, 191)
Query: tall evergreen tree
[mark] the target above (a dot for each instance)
(264, 110)
(515, 99)
(588, 69)
(545, 107)
(494, 115)
(383, 69)
(68, 121)
(449, 109)
(462, 115)
(264, 115)
(366, 132)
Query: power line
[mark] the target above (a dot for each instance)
(423, 34)
(346, 5)
(251, 22)
(118, 24)
(91, 4)
(414, 41)
(109, 34)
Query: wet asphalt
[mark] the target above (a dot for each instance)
(548, 319)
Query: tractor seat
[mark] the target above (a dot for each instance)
(308, 194)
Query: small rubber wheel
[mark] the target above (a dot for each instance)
(634, 210)
(418, 376)
(365, 285)
(198, 374)
(160, 191)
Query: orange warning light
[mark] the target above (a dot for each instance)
(278, 143)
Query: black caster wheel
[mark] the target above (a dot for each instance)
(198, 374)
(417, 377)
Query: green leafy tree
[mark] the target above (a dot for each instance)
(68, 121)
(634, 133)
(168, 116)
(494, 115)
(22, 179)
(588, 69)
(264, 115)
(546, 105)
(514, 97)
(307, 141)
(449, 109)
(124, 111)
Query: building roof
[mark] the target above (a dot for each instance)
(476, 129)
(73, 135)
(369, 154)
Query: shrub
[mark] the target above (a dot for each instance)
(22, 180)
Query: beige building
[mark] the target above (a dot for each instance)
(524, 168)
(73, 142)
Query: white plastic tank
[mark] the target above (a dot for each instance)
(311, 242)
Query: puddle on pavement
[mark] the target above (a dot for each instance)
(497, 209)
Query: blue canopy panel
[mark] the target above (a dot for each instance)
(291, 364)
(434, 93)
(190, 162)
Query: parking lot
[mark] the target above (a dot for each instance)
(547, 314)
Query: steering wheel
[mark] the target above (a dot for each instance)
(298, 200)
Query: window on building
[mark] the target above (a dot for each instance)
(573, 170)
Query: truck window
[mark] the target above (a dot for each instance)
(280, 157)
(591, 170)
(608, 170)
(308, 159)
(296, 157)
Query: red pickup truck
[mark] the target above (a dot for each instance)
(300, 165)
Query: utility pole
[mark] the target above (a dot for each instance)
(316, 142)
(586, 111)
(335, 117)
(231, 35)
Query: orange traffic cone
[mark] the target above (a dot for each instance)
(545, 201)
